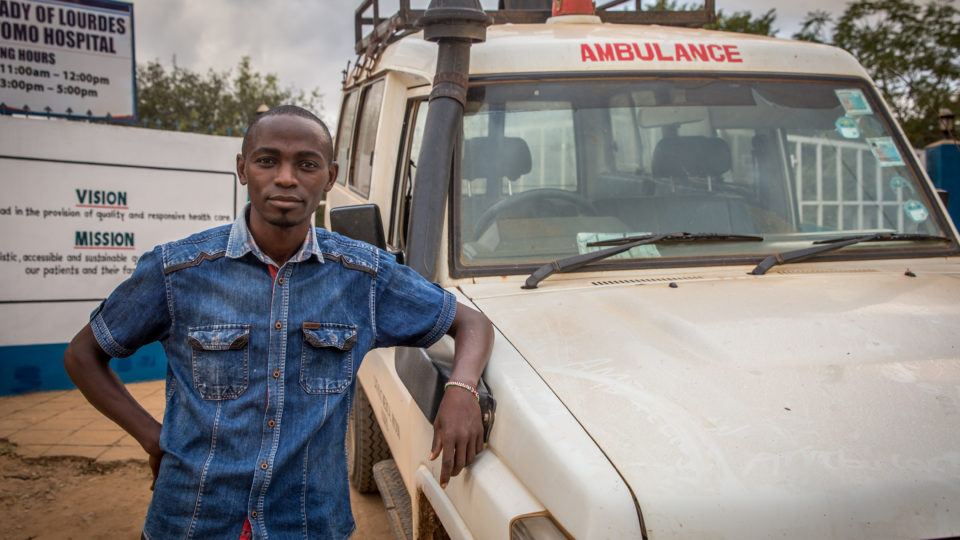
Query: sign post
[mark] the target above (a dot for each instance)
(68, 59)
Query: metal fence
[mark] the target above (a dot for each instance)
(841, 186)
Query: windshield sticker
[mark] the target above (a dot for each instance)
(916, 211)
(899, 182)
(848, 128)
(638, 252)
(886, 152)
(854, 102)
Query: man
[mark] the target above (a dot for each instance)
(264, 324)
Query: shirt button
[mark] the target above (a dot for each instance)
(253, 514)
(271, 423)
(276, 374)
(263, 465)
(278, 325)
(280, 281)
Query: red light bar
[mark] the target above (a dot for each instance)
(573, 7)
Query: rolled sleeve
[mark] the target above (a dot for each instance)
(444, 320)
(410, 311)
(106, 340)
(136, 312)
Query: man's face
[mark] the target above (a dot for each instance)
(287, 168)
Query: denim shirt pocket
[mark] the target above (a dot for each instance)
(220, 357)
(326, 362)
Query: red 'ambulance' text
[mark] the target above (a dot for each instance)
(648, 52)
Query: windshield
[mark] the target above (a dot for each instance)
(549, 167)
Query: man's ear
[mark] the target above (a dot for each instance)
(332, 173)
(241, 172)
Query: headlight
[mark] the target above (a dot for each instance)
(537, 527)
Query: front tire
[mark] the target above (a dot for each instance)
(365, 443)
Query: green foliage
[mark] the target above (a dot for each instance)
(670, 5)
(217, 102)
(814, 27)
(739, 21)
(745, 23)
(911, 51)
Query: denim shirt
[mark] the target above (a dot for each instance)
(260, 373)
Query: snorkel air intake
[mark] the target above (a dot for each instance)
(454, 25)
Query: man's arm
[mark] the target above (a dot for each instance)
(89, 368)
(458, 428)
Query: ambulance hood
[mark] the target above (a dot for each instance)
(820, 405)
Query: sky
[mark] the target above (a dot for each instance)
(307, 43)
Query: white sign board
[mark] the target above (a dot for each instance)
(80, 227)
(71, 59)
(79, 203)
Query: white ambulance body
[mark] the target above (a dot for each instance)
(671, 391)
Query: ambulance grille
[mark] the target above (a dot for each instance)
(634, 281)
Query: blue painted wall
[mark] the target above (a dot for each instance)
(35, 368)
(943, 166)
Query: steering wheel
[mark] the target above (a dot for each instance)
(491, 214)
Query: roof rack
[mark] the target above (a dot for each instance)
(390, 28)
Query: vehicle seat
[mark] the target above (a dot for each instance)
(491, 159)
(685, 157)
(688, 171)
(495, 157)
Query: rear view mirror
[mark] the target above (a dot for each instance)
(360, 222)
(944, 197)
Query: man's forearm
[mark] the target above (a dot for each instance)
(458, 429)
(89, 368)
(473, 335)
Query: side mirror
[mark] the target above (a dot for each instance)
(360, 222)
(944, 196)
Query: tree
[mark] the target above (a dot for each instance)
(745, 23)
(814, 27)
(911, 51)
(217, 102)
(739, 21)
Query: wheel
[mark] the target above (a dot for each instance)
(490, 215)
(365, 443)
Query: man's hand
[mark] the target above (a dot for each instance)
(154, 460)
(457, 432)
(89, 368)
(154, 453)
(458, 428)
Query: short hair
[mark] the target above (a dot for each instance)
(290, 110)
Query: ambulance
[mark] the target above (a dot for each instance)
(726, 297)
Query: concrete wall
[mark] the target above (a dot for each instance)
(78, 204)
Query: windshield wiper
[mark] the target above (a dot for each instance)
(884, 237)
(620, 245)
(833, 244)
(678, 237)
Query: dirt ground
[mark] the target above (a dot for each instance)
(72, 498)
